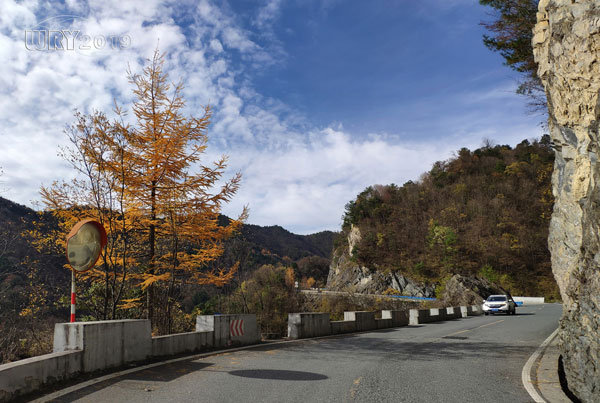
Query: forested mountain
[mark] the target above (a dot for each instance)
(253, 247)
(482, 213)
(16, 256)
(284, 243)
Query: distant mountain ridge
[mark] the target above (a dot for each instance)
(255, 245)
(12, 210)
(14, 218)
(285, 243)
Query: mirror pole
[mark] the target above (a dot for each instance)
(72, 295)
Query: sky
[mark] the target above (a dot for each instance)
(312, 101)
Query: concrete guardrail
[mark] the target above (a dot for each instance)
(306, 325)
(83, 347)
(418, 316)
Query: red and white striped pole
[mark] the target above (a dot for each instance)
(72, 295)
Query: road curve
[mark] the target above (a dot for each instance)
(475, 359)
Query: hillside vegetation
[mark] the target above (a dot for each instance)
(484, 213)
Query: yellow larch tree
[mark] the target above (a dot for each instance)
(175, 198)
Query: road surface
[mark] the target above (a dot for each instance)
(475, 359)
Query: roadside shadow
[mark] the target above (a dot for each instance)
(437, 322)
(160, 373)
(389, 330)
(167, 372)
(279, 375)
(408, 348)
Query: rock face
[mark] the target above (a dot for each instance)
(345, 274)
(461, 290)
(567, 48)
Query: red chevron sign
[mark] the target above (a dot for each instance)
(236, 327)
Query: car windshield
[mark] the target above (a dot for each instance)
(501, 298)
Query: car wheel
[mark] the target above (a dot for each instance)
(486, 314)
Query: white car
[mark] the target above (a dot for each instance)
(499, 304)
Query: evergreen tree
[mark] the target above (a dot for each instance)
(510, 34)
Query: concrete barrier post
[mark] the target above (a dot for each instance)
(205, 323)
(436, 314)
(413, 317)
(294, 326)
(303, 325)
(365, 320)
(105, 344)
(228, 330)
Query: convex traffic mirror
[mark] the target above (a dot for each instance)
(84, 244)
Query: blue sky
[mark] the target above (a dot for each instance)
(313, 100)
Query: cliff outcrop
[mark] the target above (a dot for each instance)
(567, 49)
(347, 275)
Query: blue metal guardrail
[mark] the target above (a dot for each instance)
(392, 296)
(407, 297)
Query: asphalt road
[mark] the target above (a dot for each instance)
(475, 359)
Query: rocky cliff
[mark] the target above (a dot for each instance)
(567, 48)
(462, 290)
(347, 275)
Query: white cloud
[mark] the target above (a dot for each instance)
(269, 12)
(216, 46)
(16, 15)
